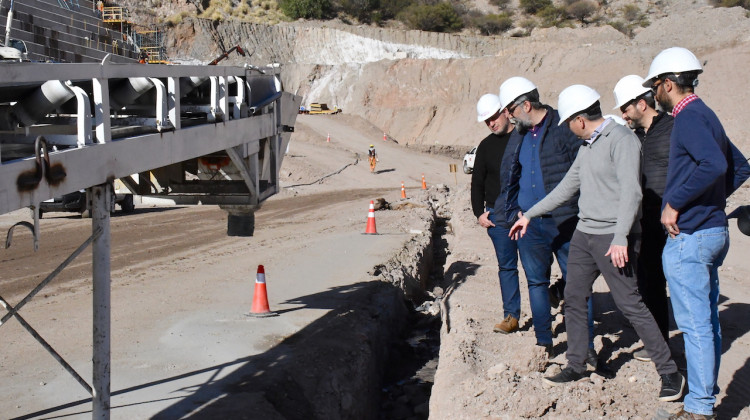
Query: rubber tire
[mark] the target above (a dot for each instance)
(241, 225)
(127, 204)
(467, 170)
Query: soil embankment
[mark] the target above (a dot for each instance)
(422, 87)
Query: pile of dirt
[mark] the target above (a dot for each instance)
(483, 374)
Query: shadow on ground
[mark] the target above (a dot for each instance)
(333, 368)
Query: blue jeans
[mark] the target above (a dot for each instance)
(506, 251)
(536, 248)
(691, 265)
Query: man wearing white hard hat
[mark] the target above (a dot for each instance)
(539, 162)
(653, 128)
(606, 240)
(702, 172)
(488, 179)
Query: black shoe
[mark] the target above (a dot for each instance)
(565, 376)
(549, 349)
(672, 385)
(555, 295)
(591, 358)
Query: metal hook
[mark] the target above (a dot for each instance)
(29, 180)
(9, 238)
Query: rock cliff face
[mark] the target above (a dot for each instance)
(422, 87)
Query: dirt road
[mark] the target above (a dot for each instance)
(183, 347)
(181, 287)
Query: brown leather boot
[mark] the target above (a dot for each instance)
(686, 415)
(507, 326)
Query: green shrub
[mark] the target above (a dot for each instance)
(502, 4)
(533, 6)
(621, 26)
(732, 3)
(581, 9)
(528, 25)
(389, 9)
(552, 16)
(307, 9)
(176, 19)
(360, 9)
(631, 12)
(493, 24)
(440, 17)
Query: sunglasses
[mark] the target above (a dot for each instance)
(512, 109)
(625, 107)
(656, 84)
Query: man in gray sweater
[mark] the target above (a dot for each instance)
(607, 237)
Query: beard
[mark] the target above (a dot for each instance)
(663, 104)
(522, 124)
(501, 129)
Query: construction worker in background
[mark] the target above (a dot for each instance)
(538, 164)
(100, 8)
(606, 174)
(488, 179)
(703, 171)
(653, 128)
(143, 57)
(372, 157)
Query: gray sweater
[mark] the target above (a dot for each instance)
(607, 174)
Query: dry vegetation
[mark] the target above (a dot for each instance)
(492, 17)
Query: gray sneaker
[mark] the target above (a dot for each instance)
(642, 355)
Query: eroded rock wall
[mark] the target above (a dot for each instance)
(422, 87)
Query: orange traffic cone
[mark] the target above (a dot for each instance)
(371, 220)
(424, 184)
(328, 139)
(403, 191)
(260, 298)
(384, 137)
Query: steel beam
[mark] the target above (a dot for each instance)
(100, 206)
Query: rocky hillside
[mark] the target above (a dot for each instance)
(421, 87)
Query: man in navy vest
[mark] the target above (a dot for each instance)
(540, 161)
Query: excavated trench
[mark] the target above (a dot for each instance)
(410, 371)
(375, 356)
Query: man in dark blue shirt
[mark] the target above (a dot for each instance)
(700, 176)
(540, 161)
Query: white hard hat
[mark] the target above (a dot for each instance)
(616, 119)
(487, 106)
(512, 88)
(574, 99)
(672, 60)
(627, 89)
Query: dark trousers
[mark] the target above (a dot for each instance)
(586, 261)
(652, 284)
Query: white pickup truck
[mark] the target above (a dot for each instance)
(469, 161)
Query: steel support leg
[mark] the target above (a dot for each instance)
(100, 206)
